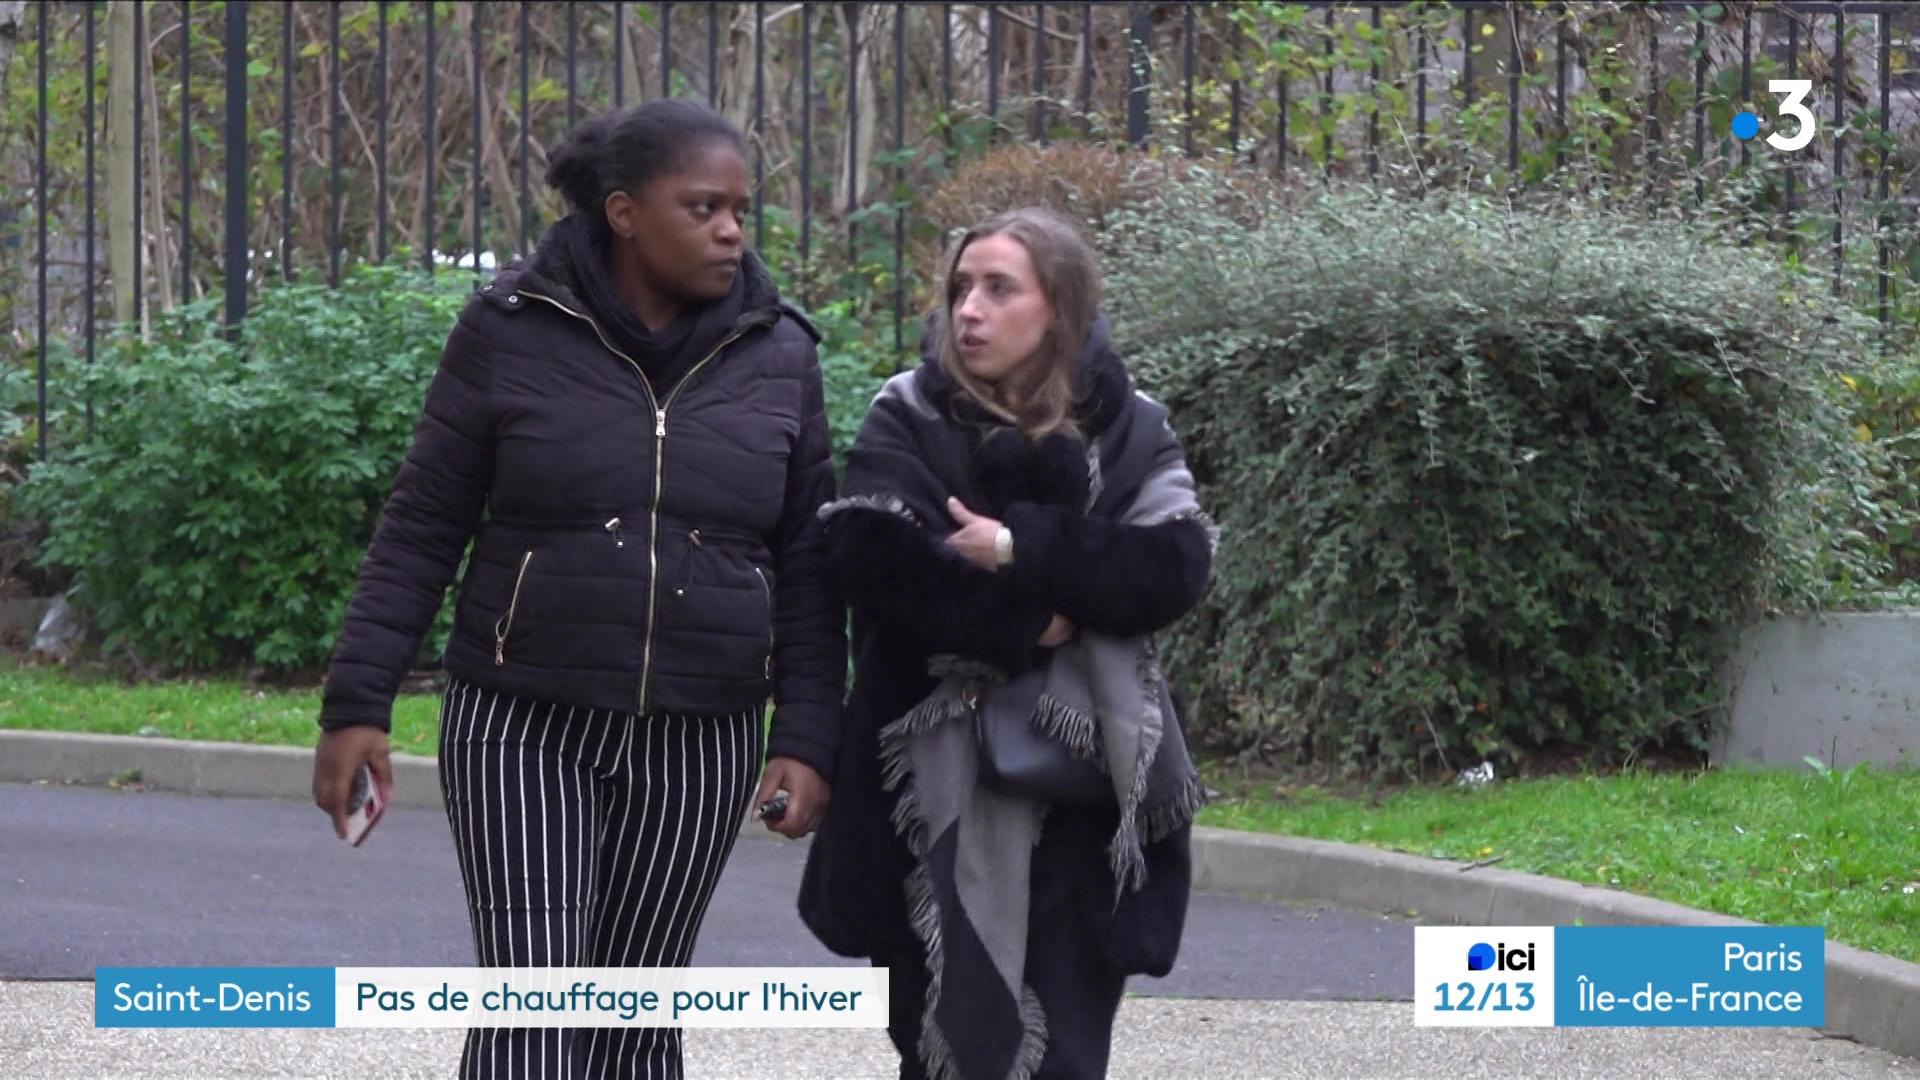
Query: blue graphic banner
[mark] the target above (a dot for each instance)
(1690, 976)
(414, 997)
(181, 997)
(1620, 976)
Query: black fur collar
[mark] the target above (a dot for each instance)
(1007, 469)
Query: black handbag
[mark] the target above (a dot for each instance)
(1017, 760)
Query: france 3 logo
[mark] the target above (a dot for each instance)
(1746, 125)
(1483, 976)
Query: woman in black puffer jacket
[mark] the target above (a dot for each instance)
(630, 428)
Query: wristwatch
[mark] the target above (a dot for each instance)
(1003, 546)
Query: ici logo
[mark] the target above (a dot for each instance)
(1498, 957)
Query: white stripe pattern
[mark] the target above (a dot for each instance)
(580, 850)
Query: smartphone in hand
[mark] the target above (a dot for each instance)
(365, 804)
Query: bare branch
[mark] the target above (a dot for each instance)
(1007, 14)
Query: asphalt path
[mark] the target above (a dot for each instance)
(101, 878)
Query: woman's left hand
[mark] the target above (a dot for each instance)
(976, 536)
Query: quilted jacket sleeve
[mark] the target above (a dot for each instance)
(810, 626)
(435, 506)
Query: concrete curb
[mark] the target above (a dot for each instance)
(1872, 998)
(231, 770)
(194, 768)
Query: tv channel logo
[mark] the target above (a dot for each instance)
(1484, 957)
(1746, 124)
(1483, 976)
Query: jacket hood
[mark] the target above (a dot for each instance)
(550, 271)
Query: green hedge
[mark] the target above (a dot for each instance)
(1883, 402)
(1493, 481)
(220, 510)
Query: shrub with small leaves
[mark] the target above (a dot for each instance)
(1493, 480)
(1882, 397)
(220, 510)
(856, 357)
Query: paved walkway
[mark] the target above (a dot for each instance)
(91, 877)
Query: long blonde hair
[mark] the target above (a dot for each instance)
(1069, 275)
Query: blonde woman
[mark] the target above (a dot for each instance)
(1015, 514)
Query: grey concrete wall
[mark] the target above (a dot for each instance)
(20, 620)
(1844, 688)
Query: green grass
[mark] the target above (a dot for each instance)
(1795, 846)
(44, 699)
(1780, 846)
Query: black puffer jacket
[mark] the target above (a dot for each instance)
(626, 557)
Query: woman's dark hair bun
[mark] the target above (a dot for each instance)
(627, 149)
(574, 170)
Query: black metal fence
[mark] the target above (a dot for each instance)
(1385, 91)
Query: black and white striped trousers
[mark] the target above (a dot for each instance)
(588, 839)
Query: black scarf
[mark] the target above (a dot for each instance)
(664, 354)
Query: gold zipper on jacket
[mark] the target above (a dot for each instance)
(659, 475)
(505, 626)
(659, 471)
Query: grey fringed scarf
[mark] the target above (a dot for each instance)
(1105, 698)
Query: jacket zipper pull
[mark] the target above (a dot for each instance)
(693, 541)
(660, 425)
(613, 526)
